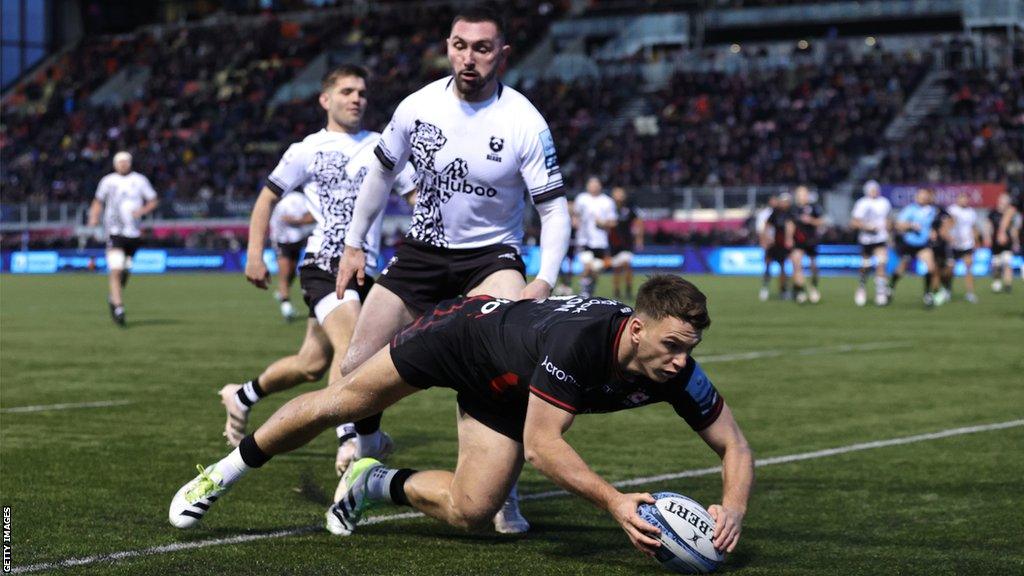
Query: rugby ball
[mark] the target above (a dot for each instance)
(687, 531)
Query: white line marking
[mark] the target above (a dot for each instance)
(167, 548)
(48, 407)
(740, 356)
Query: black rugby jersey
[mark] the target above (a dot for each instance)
(562, 350)
(806, 233)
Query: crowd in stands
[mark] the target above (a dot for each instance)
(807, 124)
(203, 126)
(977, 135)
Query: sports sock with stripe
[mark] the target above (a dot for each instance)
(249, 394)
(388, 485)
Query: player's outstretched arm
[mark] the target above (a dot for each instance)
(548, 451)
(95, 209)
(555, 229)
(255, 270)
(372, 197)
(726, 439)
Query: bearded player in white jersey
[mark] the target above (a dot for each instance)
(123, 197)
(479, 149)
(870, 218)
(290, 226)
(328, 166)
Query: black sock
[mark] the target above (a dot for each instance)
(369, 425)
(864, 276)
(250, 392)
(397, 487)
(252, 455)
(895, 278)
(814, 279)
(927, 283)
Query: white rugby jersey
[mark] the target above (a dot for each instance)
(873, 212)
(292, 206)
(965, 221)
(121, 197)
(590, 209)
(330, 167)
(474, 162)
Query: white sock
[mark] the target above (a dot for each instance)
(345, 432)
(881, 285)
(231, 467)
(378, 486)
(247, 396)
(368, 444)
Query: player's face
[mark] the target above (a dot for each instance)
(663, 346)
(619, 195)
(345, 102)
(593, 186)
(963, 201)
(923, 197)
(123, 167)
(803, 195)
(477, 53)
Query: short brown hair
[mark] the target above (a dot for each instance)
(669, 295)
(340, 72)
(482, 13)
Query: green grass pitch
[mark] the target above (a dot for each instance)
(97, 481)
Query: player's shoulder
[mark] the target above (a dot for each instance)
(432, 91)
(513, 99)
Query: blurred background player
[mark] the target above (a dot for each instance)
(870, 217)
(328, 166)
(290, 225)
(964, 239)
(627, 237)
(596, 212)
(778, 240)
(123, 197)
(914, 225)
(760, 226)
(940, 240)
(1001, 237)
(467, 225)
(807, 219)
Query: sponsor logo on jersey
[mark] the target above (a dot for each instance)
(548, 143)
(497, 144)
(558, 373)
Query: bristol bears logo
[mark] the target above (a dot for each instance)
(497, 145)
(337, 193)
(436, 186)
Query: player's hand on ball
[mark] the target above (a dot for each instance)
(256, 272)
(352, 265)
(641, 534)
(727, 527)
(536, 290)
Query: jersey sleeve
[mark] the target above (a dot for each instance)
(147, 189)
(291, 172)
(699, 403)
(859, 210)
(906, 215)
(555, 378)
(406, 181)
(610, 213)
(103, 189)
(393, 148)
(539, 161)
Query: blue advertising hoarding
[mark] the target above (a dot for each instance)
(833, 259)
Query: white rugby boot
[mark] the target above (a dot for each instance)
(860, 297)
(351, 500)
(509, 519)
(193, 500)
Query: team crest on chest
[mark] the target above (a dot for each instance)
(497, 145)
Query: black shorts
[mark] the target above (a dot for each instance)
(432, 352)
(599, 253)
(290, 250)
(317, 284)
(942, 252)
(868, 250)
(423, 275)
(126, 244)
(960, 254)
(904, 249)
(777, 254)
(809, 249)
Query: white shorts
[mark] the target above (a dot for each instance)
(622, 258)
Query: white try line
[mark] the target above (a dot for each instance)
(168, 548)
(838, 349)
(49, 407)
